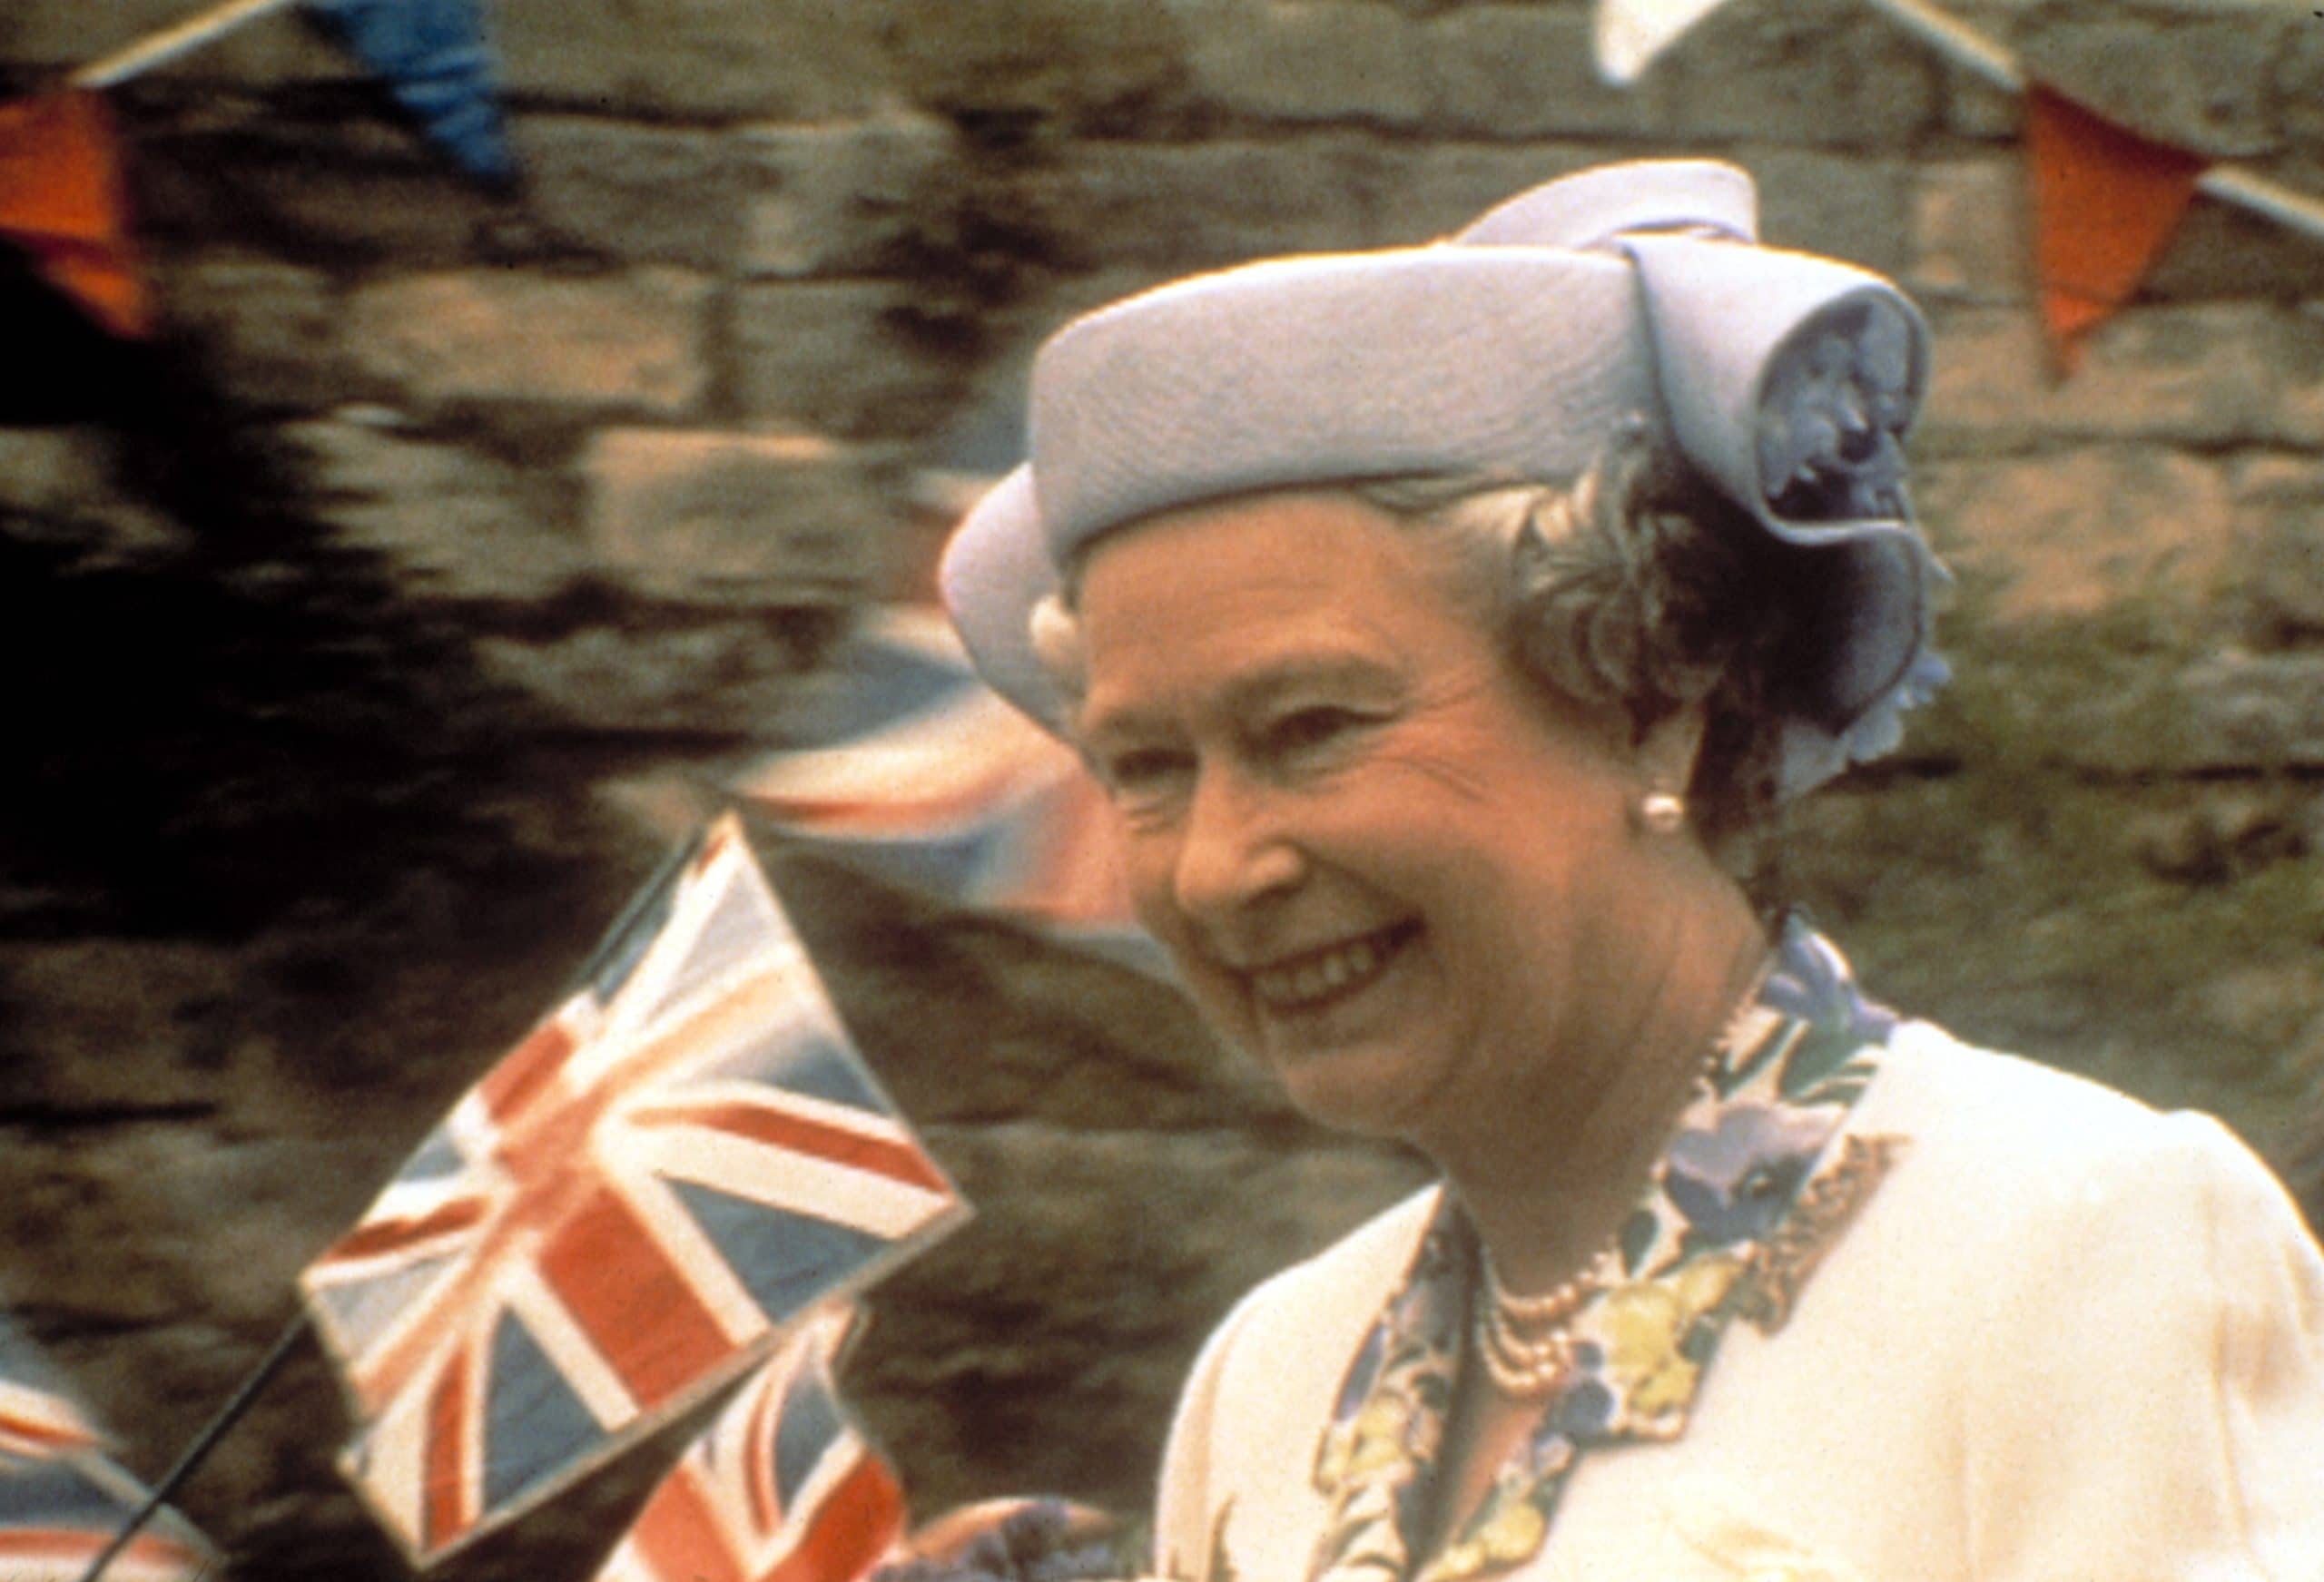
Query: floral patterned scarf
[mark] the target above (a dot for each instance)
(1733, 1219)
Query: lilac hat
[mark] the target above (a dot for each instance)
(1514, 347)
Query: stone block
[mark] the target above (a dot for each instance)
(842, 197)
(1078, 63)
(1970, 237)
(2255, 711)
(116, 1028)
(454, 523)
(2272, 1006)
(1528, 70)
(268, 330)
(2197, 375)
(58, 491)
(983, 425)
(719, 678)
(54, 470)
(268, 57)
(2221, 250)
(2077, 533)
(629, 342)
(1978, 110)
(1994, 382)
(2279, 509)
(341, 188)
(1180, 207)
(67, 37)
(2300, 91)
(79, 1236)
(2199, 83)
(143, 1223)
(636, 193)
(1438, 188)
(719, 518)
(2295, 347)
(1820, 73)
(1308, 60)
(837, 357)
(775, 59)
(1053, 1194)
(2222, 834)
(242, 1260)
(1853, 209)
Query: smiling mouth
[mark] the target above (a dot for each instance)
(1334, 972)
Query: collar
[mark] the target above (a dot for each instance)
(1747, 1197)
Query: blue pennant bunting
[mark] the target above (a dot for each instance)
(433, 56)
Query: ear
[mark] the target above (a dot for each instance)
(1666, 753)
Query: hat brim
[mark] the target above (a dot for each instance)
(995, 571)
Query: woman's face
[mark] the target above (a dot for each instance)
(1385, 863)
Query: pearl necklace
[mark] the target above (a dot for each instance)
(1527, 1366)
(1524, 1340)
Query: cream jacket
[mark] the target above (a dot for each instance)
(2068, 1340)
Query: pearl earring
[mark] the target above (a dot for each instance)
(1662, 812)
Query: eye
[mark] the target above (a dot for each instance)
(1144, 774)
(1309, 728)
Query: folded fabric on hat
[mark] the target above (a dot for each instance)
(1513, 348)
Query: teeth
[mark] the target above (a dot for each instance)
(1289, 988)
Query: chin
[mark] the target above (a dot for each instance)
(1356, 1092)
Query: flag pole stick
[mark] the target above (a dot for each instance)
(203, 1443)
(1973, 52)
(173, 42)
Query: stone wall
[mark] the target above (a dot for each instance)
(375, 631)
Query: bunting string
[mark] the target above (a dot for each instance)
(1955, 39)
(2236, 184)
(172, 42)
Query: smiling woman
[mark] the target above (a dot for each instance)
(1383, 863)
(1443, 623)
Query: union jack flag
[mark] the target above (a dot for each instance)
(62, 1498)
(625, 1214)
(914, 767)
(782, 1488)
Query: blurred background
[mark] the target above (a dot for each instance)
(377, 622)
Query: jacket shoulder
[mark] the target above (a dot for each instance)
(1955, 1098)
(2007, 1160)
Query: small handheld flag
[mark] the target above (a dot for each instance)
(627, 1213)
(782, 1488)
(924, 775)
(62, 1498)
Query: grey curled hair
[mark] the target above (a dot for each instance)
(1636, 589)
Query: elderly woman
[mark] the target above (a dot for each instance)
(1443, 622)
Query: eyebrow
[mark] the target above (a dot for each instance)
(1290, 674)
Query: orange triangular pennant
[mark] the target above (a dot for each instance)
(64, 201)
(2105, 200)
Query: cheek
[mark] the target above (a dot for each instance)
(1148, 864)
(1499, 876)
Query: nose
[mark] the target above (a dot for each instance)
(1234, 852)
